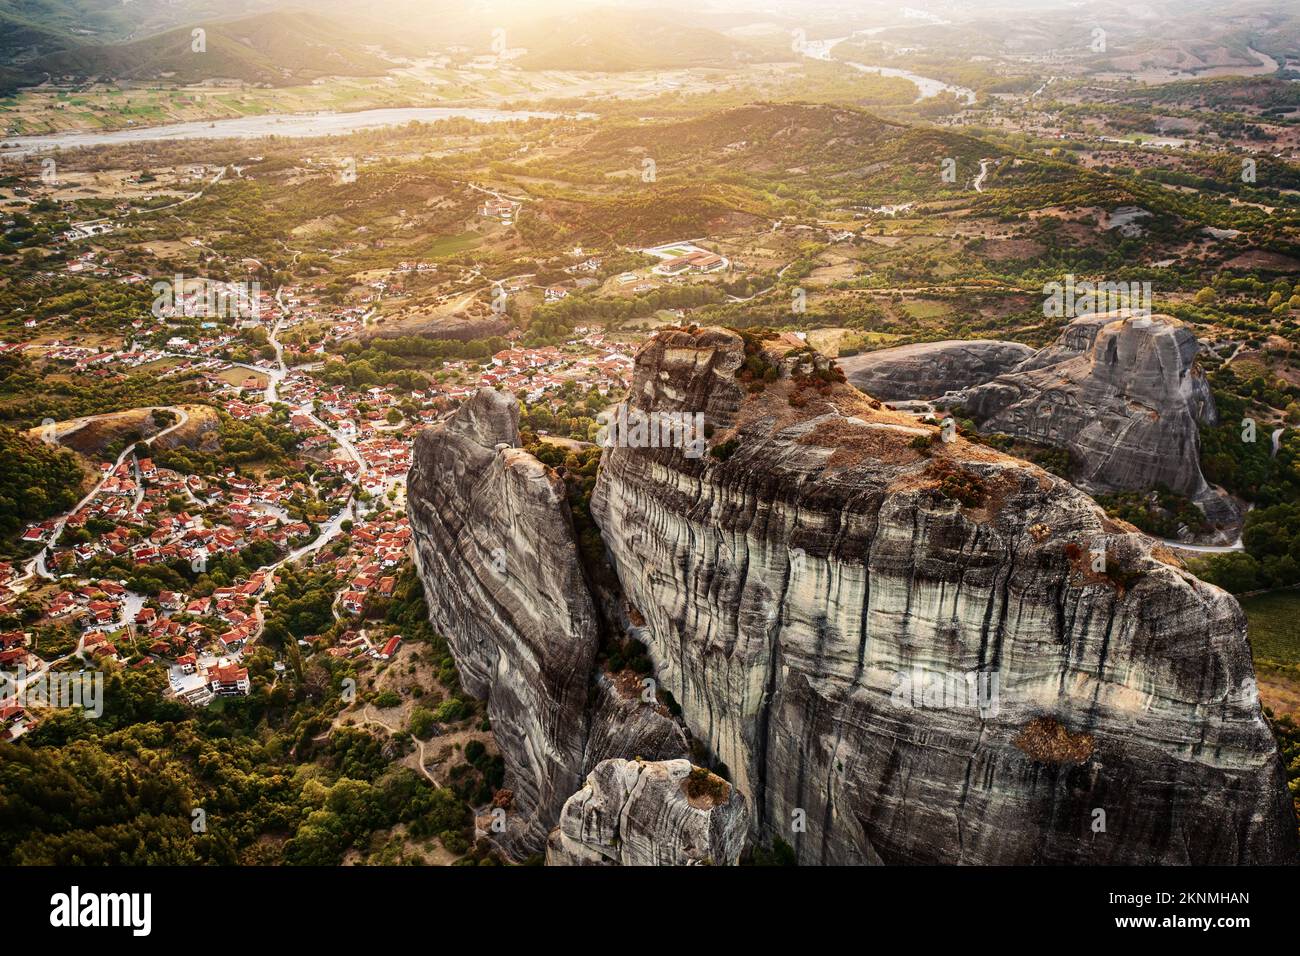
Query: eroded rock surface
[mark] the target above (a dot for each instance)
(809, 584)
(1124, 395)
(638, 813)
(627, 722)
(929, 369)
(495, 550)
(901, 649)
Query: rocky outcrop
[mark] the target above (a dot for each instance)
(906, 650)
(901, 649)
(495, 549)
(462, 328)
(628, 720)
(929, 369)
(1123, 395)
(634, 813)
(1075, 339)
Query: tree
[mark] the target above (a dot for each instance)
(421, 723)
(1235, 573)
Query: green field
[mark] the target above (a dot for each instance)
(926, 309)
(454, 244)
(1274, 626)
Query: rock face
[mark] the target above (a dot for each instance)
(1124, 395)
(495, 549)
(912, 651)
(634, 813)
(623, 724)
(929, 369)
(503, 583)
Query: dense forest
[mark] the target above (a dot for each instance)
(37, 480)
(260, 780)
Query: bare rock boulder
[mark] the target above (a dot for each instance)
(640, 813)
(929, 369)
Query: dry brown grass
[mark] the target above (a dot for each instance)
(705, 790)
(1045, 740)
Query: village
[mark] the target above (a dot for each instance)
(82, 611)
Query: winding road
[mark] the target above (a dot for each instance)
(36, 566)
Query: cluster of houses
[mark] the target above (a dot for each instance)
(371, 564)
(15, 650)
(536, 371)
(158, 515)
(97, 607)
(201, 682)
(354, 644)
(211, 299)
(504, 210)
(139, 499)
(15, 653)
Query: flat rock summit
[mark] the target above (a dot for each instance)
(928, 370)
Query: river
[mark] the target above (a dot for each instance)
(272, 124)
(926, 86)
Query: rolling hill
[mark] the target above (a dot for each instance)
(789, 146)
(278, 48)
(30, 29)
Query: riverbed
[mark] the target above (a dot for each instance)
(295, 125)
(926, 86)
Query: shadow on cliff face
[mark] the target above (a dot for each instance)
(782, 582)
(826, 545)
(498, 550)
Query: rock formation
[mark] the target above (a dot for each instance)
(462, 328)
(929, 369)
(503, 584)
(898, 649)
(634, 813)
(905, 650)
(1124, 395)
(494, 546)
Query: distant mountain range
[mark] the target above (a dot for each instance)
(278, 48)
(275, 48)
(30, 29)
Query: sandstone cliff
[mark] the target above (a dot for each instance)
(634, 813)
(1124, 395)
(495, 549)
(910, 651)
(929, 369)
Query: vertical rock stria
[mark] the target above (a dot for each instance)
(495, 549)
(910, 650)
(1124, 395)
(898, 649)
